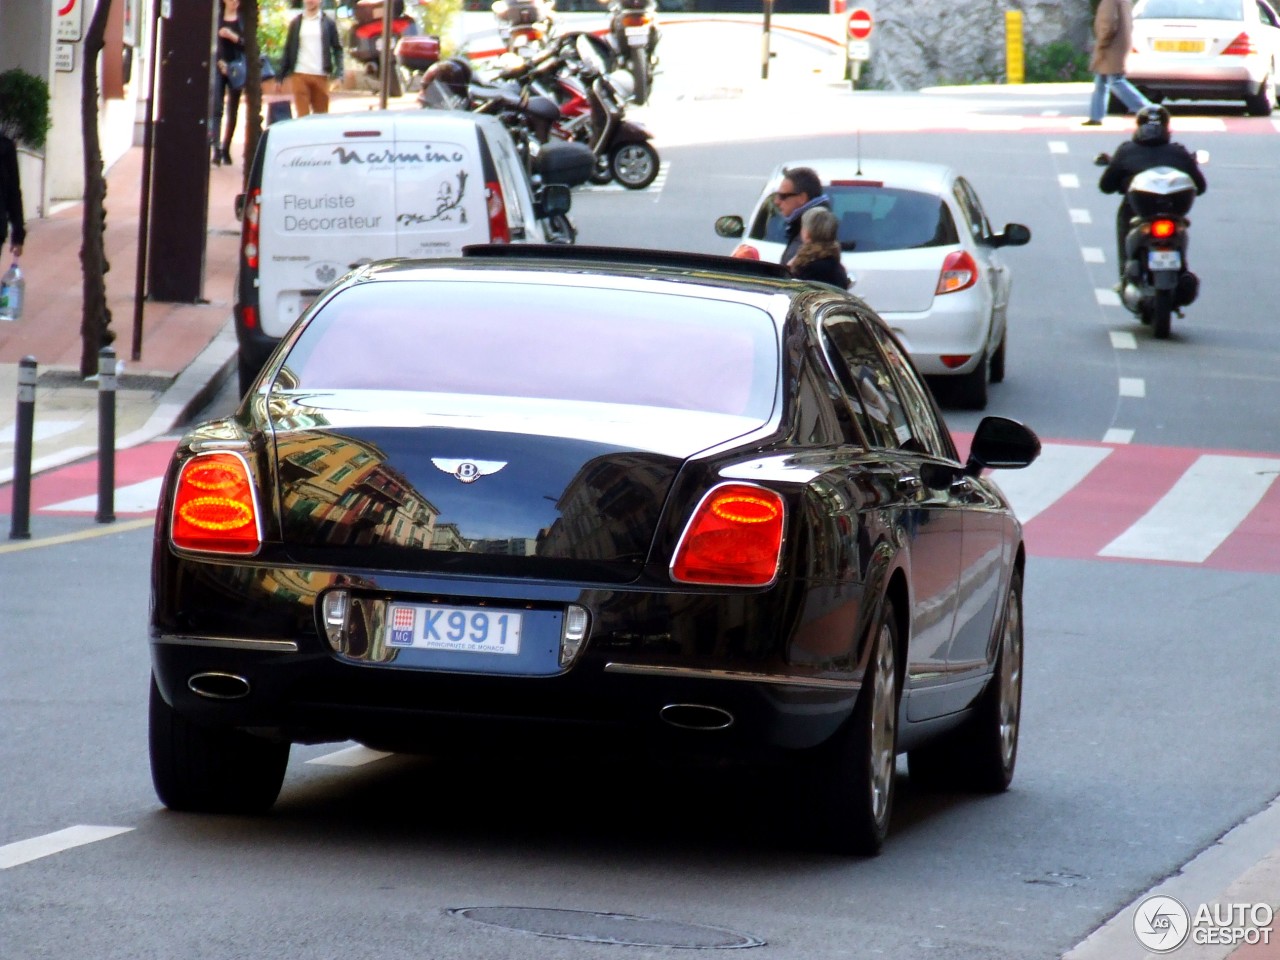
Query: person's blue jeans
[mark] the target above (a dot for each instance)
(1104, 84)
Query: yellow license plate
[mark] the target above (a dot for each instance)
(1178, 46)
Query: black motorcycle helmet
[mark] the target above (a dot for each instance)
(454, 75)
(1153, 125)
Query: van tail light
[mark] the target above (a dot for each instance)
(499, 231)
(248, 317)
(959, 272)
(1163, 229)
(733, 539)
(214, 506)
(1241, 46)
(252, 222)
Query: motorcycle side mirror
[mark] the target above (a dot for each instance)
(553, 200)
(1102, 159)
(730, 226)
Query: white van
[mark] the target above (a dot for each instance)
(329, 192)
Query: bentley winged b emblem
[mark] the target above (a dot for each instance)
(468, 471)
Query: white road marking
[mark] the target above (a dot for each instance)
(40, 430)
(356, 756)
(135, 498)
(1201, 510)
(1080, 216)
(24, 851)
(1133, 387)
(1107, 297)
(1117, 435)
(1093, 255)
(1123, 340)
(1068, 180)
(1057, 146)
(1058, 469)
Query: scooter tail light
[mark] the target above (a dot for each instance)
(499, 231)
(959, 272)
(635, 20)
(215, 508)
(1241, 46)
(1163, 229)
(733, 539)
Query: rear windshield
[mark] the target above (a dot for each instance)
(875, 218)
(541, 341)
(1189, 9)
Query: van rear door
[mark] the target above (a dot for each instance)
(439, 185)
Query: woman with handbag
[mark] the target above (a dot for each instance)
(228, 80)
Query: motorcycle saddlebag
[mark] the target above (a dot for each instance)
(418, 53)
(561, 161)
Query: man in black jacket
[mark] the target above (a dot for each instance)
(1150, 147)
(11, 196)
(312, 56)
(800, 190)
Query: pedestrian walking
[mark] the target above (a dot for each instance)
(228, 80)
(819, 255)
(312, 59)
(11, 197)
(800, 190)
(1112, 37)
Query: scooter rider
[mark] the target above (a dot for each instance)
(1150, 147)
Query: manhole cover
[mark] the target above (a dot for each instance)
(615, 928)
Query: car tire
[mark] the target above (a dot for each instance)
(971, 387)
(634, 165)
(1260, 104)
(981, 754)
(854, 773)
(997, 360)
(211, 770)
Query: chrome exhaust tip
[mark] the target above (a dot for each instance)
(218, 686)
(696, 716)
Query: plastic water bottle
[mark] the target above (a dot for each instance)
(12, 288)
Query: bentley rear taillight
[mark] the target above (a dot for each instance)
(214, 507)
(733, 539)
(959, 272)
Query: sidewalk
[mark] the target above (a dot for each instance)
(187, 348)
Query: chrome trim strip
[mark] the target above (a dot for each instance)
(688, 673)
(229, 643)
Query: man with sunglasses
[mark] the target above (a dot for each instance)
(800, 190)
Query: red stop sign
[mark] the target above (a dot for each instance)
(860, 24)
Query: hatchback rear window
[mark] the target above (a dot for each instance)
(875, 218)
(543, 342)
(1189, 10)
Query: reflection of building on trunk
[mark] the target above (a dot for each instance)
(609, 510)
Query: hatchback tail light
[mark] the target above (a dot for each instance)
(1241, 46)
(499, 231)
(733, 539)
(214, 506)
(1163, 229)
(959, 272)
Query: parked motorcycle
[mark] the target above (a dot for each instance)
(1156, 282)
(525, 26)
(364, 42)
(633, 31)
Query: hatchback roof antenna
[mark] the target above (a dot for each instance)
(857, 133)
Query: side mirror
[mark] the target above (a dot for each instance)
(730, 226)
(553, 200)
(1102, 159)
(1001, 444)
(1014, 235)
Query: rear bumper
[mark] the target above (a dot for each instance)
(1196, 81)
(957, 325)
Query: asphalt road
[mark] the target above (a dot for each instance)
(1149, 723)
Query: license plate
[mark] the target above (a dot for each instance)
(1178, 46)
(637, 35)
(456, 629)
(1164, 260)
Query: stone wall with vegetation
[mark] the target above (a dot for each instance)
(921, 43)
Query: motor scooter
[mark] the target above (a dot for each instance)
(525, 26)
(1155, 283)
(633, 31)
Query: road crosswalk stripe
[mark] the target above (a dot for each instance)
(24, 851)
(1059, 468)
(1208, 502)
(135, 498)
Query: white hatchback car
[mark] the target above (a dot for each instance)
(921, 252)
(1207, 50)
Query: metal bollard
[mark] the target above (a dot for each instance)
(24, 429)
(106, 435)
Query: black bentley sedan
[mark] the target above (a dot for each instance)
(544, 496)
